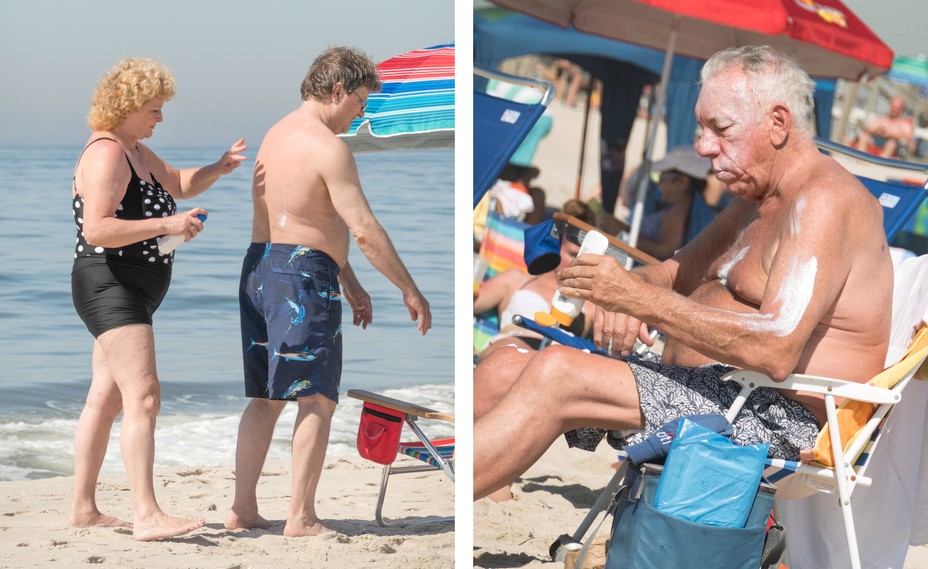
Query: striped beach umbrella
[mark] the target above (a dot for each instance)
(911, 70)
(415, 108)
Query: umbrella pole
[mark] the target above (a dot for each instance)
(638, 211)
(586, 121)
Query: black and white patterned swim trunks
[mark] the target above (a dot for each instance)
(668, 392)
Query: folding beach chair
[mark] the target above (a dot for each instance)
(501, 249)
(899, 202)
(435, 455)
(500, 125)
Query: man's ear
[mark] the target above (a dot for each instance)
(337, 90)
(781, 120)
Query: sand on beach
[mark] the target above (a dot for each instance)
(551, 499)
(33, 514)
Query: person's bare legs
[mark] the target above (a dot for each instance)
(559, 389)
(129, 356)
(255, 431)
(104, 402)
(493, 377)
(310, 441)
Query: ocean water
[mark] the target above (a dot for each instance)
(45, 349)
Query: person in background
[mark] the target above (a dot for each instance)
(514, 291)
(682, 175)
(891, 135)
(307, 203)
(123, 196)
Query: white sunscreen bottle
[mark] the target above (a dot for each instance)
(168, 243)
(563, 308)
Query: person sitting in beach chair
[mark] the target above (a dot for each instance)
(515, 291)
(776, 283)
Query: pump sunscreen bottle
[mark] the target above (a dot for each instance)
(565, 309)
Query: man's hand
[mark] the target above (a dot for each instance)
(418, 310)
(616, 333)
(600, 280)
(361, 306)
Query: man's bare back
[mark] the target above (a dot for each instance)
(292, 203)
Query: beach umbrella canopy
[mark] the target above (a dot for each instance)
(910, 70)
(825, 37)
(415, 108)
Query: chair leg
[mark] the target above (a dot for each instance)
(558, 550)
(384, 478)
(844, 492)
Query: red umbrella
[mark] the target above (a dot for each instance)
(826, 38)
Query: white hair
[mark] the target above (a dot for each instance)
(773, 77)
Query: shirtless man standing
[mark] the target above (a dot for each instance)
(307, 199)
(795, 276)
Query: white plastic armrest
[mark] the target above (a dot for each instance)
(815, 384)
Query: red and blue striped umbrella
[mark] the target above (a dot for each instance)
(415, 109)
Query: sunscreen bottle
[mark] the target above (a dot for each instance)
(565, 309)
(168, 243)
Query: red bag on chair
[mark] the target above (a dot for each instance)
(379, 433)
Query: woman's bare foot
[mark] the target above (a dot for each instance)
(304, 528)
(251, 521)
(162, 526)
(96, 519)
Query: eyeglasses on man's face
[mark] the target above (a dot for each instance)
(669, 176)
(363, 101)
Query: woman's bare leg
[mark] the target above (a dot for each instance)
(104, 402)
(129, 355)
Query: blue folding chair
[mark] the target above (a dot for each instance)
(500, 125)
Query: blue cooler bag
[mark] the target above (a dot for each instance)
(646, 538)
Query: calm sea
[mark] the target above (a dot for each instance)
(45, 349)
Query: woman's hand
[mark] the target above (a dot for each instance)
(185, 223)
(231, 158)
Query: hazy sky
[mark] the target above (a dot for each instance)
(238, 63)
(899, 23)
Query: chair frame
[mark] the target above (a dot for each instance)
(412, 413)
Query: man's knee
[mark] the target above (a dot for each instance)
(317, 404)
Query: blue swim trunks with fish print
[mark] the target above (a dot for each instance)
(291, 318)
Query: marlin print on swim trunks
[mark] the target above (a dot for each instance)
(296, 387)
(299, 311)
(295, 356)
(331, 294)
(298, 251)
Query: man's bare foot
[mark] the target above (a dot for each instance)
(504, 494)
(255, 521)
(96, 519)
(306, 529)
(162, 526)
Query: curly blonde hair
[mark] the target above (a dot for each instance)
(130, 84)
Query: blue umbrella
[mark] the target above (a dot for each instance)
(415, 108)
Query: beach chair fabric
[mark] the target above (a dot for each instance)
(434, 455)
(500, 125)
(501, 249)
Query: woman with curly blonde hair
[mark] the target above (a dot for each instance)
(123, 198)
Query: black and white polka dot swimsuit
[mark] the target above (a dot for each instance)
(142, 200)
